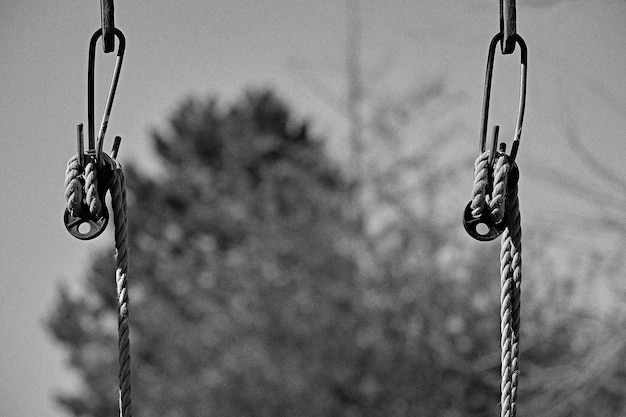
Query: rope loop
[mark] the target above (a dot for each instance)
(86, 215)
(485, 213)
(91, 183)
(490, 184)
(74, 184)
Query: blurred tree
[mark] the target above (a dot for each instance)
(573, 353)
(239, 273)
(256, 291)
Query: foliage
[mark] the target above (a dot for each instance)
(264, 283)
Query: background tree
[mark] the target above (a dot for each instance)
(256, 291)
(409, 145)
(238, 272)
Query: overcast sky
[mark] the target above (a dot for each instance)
(577, 62)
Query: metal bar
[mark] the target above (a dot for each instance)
(494, 145)
(508, 25)
(116, 146)
(80, 144)
(108, 26)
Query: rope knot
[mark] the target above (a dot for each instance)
(87, 181)
(490, 184)
(485, 215)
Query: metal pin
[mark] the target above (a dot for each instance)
(494, 144)
(80, 144)
(116, 146)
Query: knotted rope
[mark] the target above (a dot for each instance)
(75, 182)
(91, 184)
(481, 196)
(503, 205)
(82, 183)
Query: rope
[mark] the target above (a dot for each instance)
(510, 304)
(481, 181)
(118, 197)
(497, 202)
(74, 192)
(503, 205)
(481, 197)
(91, 183)
(74, 185)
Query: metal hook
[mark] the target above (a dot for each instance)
(487, 94)
(508, 26)
(93, 145)
(108, 25)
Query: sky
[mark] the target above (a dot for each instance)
(576, 73)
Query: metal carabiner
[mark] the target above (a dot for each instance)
(487, 94)
(93, 145)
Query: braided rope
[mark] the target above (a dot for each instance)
(503, 201)
(118, 197)
(510, 304)
(74, 184)
(480, 193)
(498, 199)
(82, 183)
(91, 184)
(481, 181)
